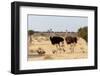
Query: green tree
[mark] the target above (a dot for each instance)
(83, 32)
(30, 33)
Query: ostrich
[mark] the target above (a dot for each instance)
(56, 40)
(71, 41)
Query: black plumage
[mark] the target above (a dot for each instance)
(56, 40)
(70, 40)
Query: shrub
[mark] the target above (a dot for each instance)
(83, 32)
(30, 33)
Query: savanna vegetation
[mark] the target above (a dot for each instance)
(83, 33)
(57, 45)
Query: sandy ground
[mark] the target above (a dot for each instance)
(80, 50)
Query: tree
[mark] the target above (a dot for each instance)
(83, 32)
(30, 33)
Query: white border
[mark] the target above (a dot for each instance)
(26, 65)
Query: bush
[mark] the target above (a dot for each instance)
(83, 32)
(30, 32)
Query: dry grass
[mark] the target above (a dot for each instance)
(52, 52)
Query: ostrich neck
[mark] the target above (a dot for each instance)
(50, 37)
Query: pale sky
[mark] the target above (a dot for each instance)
(56, 23)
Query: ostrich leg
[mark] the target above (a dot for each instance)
(72, 48)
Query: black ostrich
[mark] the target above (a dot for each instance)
(72, 41)
(56, 40)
